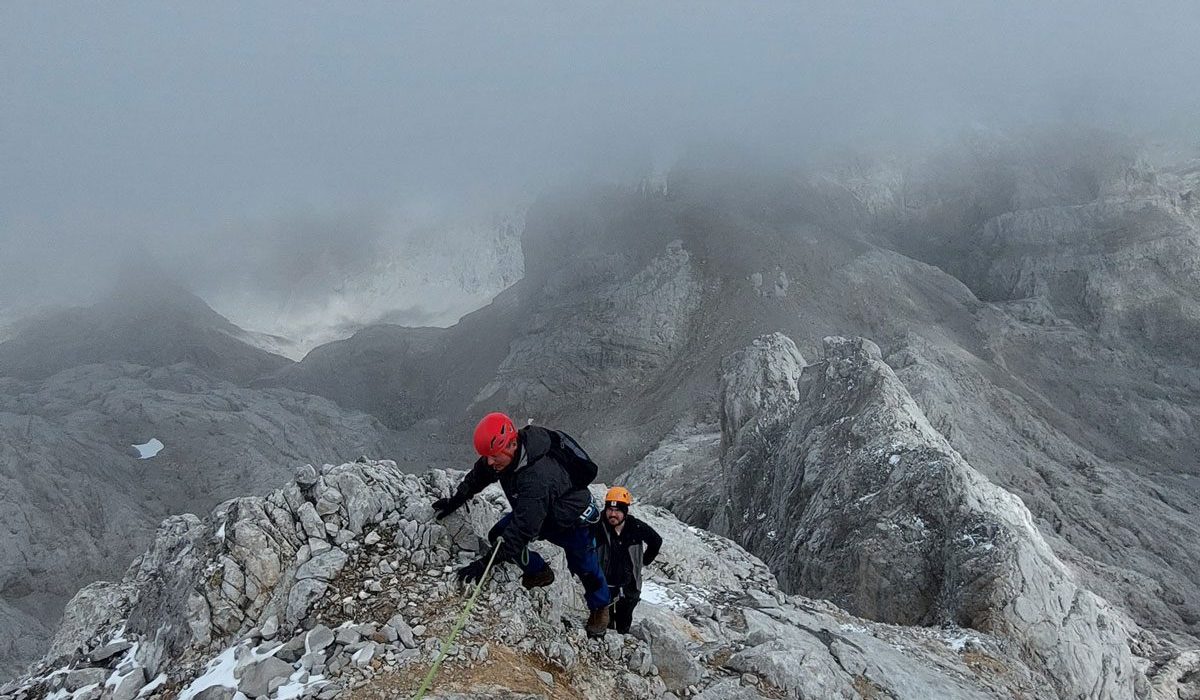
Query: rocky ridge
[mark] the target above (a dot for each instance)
(147, 320)
(884, 517)
(834, 476)
(339, 584)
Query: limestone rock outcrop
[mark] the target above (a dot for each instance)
(210, 610)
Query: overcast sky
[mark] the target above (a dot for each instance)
(175, 124)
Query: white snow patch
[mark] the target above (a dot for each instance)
(149, 449)
(655, 594)
(958, 643)
(678, 597)
(153, 685)
(295, 688)
(219, 673)
(117, 676)
(128, 664)
(56, 695)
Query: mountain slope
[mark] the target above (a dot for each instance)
(256, 598)
(76, 503)
(383, 370)
(860, 501)
(147, 321)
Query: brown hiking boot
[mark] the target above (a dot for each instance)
(545, 577)
(597, 622)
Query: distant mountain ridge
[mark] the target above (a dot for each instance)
(147, 320)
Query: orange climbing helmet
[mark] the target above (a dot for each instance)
(494, 434)
(618, 495)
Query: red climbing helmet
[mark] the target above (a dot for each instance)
(493, 434)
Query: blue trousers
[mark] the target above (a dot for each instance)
(582, 559)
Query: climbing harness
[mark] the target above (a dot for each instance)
(458, 625)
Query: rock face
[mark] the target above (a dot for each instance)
(683, 473)
(712, 624)
(1120, 273)
(387, 371)
(625, 331)
(758, 384)
(849, 494)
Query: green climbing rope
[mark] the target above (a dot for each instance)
(458, 625)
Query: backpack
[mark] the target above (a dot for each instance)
(578, 465)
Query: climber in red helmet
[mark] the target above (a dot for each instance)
(544, 474)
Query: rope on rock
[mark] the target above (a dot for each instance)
(458, 625)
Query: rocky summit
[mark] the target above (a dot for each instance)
(340, 585)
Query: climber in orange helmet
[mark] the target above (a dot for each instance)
(626, 545)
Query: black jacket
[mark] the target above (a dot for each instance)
(638, 543)
(538, 489)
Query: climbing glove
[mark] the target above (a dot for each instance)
(471, 572)
(446, 506)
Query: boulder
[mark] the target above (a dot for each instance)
(264, 676)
